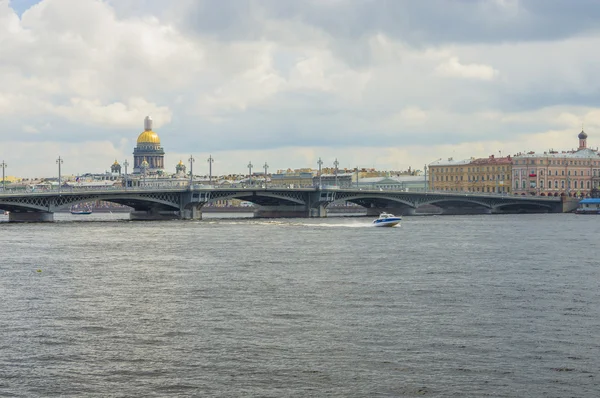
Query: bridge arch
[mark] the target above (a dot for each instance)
(442, 202)
(261, 198)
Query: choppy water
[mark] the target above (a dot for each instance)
(473, 306)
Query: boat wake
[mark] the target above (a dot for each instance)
(290, 223)
(327, 225)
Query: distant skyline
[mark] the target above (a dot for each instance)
(389, 84)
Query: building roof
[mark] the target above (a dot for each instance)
(398, 179)
(451, 162)
(148, 137)
(590, 201)
(580, 154)
(492, 160)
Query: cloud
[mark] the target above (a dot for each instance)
(453, 68)
(117, 114)
(288, 82)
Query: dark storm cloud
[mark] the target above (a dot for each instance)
(422, 22)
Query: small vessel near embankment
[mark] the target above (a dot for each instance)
(81, 211)
(588, 206)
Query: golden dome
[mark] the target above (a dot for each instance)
(180, 163)
(148, 137)
(115, 163)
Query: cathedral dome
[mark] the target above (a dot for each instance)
(582, 135)
(148, 137)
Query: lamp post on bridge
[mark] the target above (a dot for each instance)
(125, 164)
(320, 163)
(191, 160)
(356, 177)
(3, 165)
(59, 161)
(210, 161)
(425, 173)
(335, 170)
(266, 166)
(250, 166)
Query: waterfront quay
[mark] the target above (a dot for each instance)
(271, 202)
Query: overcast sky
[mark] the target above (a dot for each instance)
(374, 83)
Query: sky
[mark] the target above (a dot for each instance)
(389, 84)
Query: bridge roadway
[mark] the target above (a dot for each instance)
(185, 203)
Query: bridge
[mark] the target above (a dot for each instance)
(186, 203)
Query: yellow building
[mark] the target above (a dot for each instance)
(294, 179)
(449, 175)
(490, 175)
(485, 175)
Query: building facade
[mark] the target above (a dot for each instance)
(490, 175)
(553, 173)
(484, 175)
(448, 175)
(148, 155)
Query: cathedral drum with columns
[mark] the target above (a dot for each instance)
(148, 155)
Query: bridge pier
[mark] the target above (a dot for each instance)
(154, 215)
(30, 217)
(194, 213)
(316, 212)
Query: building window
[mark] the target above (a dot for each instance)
(556, 184)
(588, 185)
(542, 184)
(563, 172)
(562, 184)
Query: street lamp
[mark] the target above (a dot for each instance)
(427, 165)
(210, 161)
(59, 161)
(356, 177)
(335, 165)
(266, 166)
(3, 165)
(191, 160)
(320, 163)
(125, 164)
(144, 166)
(250, 166)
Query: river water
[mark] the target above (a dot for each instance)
(441, 306)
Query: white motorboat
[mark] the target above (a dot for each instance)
(386, 220)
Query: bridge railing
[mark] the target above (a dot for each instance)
(291, 187)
